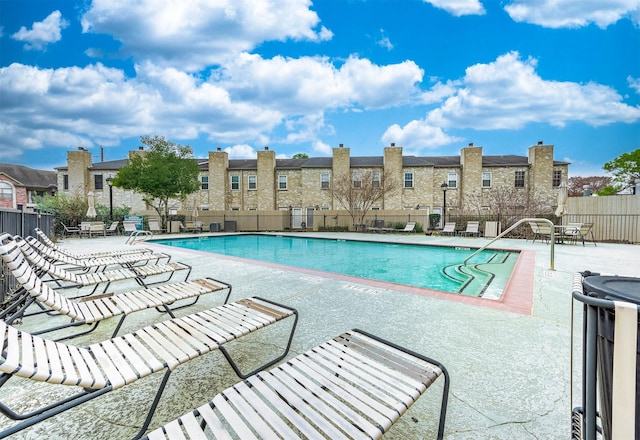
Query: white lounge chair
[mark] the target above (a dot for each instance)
(110, 365)
(98, 263)
(473, 228)
(354, 386)
(449, 229)
(114, 253)
(67, 279)
(31, 289)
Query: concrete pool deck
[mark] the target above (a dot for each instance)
(510, 371)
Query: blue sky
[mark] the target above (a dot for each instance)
(304, 76)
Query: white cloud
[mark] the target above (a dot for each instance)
(322, 148)
(384, 41)
(508, 94)
(459, 7)
(573, 13)
(43, 32)
(634, 83)
(417, 135)
(194, 34)
(241, 151)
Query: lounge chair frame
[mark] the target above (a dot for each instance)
(65, 279)
(109, 365)
(449, 229)
(353, 386)
(91, 311)
(98, 263)
(47, 241)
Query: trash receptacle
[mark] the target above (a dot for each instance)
(613, 288)
(214, 227)
(230, 226)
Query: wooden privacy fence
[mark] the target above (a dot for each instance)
(614, 218)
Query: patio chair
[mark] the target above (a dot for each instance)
(541, 231)
(111, 364)
(113, 229)
(129, 227)
(409, 227)
(98, 263)
(154, 227)
(449, 229)
(47, 241)
(582, 233)
(65, 279)
(92, 310)
(355, 386)
(473, 228)
(70, 230)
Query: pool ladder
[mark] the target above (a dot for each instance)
(511, 228)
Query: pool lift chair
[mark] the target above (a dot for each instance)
(112, 364)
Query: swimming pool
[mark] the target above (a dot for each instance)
(432, 267)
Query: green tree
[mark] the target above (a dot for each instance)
(300, 156)
(69, 209)
(164, 172)
(625, 168)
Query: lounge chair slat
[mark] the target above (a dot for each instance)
(240, 427)
(310, 386)
(110, 370)
(55, 366)
(213, 422)
(343, 388)
(349, 377)
(191, 426)
(265, 411)
(261, 383)
(308, 406)
(255, 419)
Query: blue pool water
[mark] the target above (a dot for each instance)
(433, 267)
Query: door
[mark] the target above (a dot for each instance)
(438, 210)
(310, 213)
(296, 218)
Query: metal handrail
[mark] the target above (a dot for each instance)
(552, 238)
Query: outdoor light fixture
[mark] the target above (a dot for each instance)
(109, 179)
(444, 187)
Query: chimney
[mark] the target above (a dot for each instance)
(341, 145)
(266, 148)
(141, 148)
(219, 149)
(471, 144)
(540, 143)
(393, 144)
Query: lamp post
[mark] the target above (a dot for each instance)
(444, 187)
(109, 179)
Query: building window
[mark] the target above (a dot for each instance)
(6, 191)
(65, 181)
(519, 183)
(375, 180)
(253, 182)
(357, 180)
(452, 180)
(97, 181)
(324, 180)
(204, 182)
(408, 180)
(282, 182)
(557, 178)
(235, 182)
(486, 179)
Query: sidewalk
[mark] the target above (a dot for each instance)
(510, 371)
